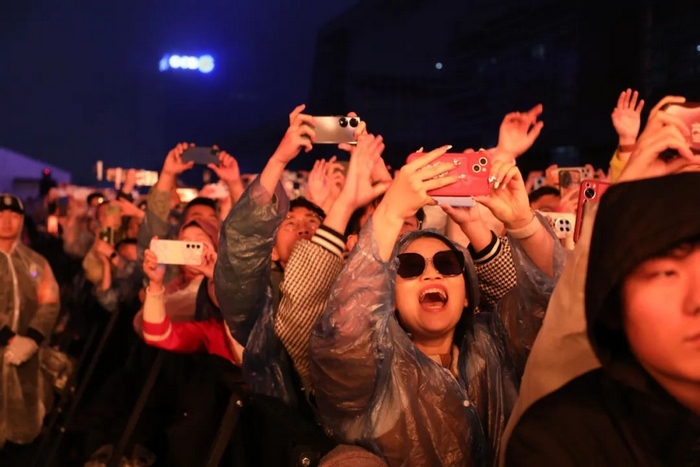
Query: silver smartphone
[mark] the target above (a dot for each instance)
(178, 252)
(336, 130)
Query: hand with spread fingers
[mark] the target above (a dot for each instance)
(508, 199)
(518, 133)
(662, 149)
(627, 117)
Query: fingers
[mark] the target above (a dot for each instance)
(214, 168)
(621, 100)
(665, 101)
(499, 173)
(295, 113)
(346, 147)
(633, 100)
(422, 161)
(535, 131)
(440, 182)
(535, 112)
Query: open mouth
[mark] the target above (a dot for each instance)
(433, 299)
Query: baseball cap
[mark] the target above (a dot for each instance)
(10, 202)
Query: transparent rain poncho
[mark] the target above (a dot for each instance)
(374, 388)
(25, 394)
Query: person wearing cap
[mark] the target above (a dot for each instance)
(29, 306)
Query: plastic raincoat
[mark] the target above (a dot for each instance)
(376, 389)
(25, 394)
(247, 288)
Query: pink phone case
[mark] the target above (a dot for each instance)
(475, 166)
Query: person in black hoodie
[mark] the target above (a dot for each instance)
(642, 297)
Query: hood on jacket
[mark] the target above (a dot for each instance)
(209, 228)
(636, 221)
(466, 322)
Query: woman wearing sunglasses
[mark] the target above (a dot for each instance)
(402, 362)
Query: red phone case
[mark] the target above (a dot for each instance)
(475, 166)
(591, 191)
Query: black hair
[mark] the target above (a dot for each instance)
(301, 202)
(125, 242)
(543, 191)
(94, 195)
(199, 201)
(354, 226)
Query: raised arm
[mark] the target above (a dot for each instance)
(242, 273)
(155, 222)
(314, 265)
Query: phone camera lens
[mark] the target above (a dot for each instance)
(476, 168)
(343, 122)
(483, 161)
(354, 122)
(589, 193)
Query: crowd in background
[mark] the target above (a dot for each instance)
(340, 316)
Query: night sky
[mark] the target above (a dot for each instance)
(80, 78)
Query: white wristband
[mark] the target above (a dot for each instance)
(528, 231)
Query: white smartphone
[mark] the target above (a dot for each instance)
(178, 252)
(564, 225)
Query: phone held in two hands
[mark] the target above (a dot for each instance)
(201, 155)
(689, 112)
(475, 168)
(177, 252)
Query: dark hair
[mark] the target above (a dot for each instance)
(199, 201)
(301, 202)
(354, 226)
(125, 242)
(93, 196)
(543, 191)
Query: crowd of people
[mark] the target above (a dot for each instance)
(342, 316)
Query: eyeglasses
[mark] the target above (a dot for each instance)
(293, 224)
(447, 263)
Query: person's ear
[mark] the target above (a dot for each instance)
(275, 254)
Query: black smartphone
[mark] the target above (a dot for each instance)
(107, 235)
(201, 155)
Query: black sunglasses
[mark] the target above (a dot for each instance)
(447, 263)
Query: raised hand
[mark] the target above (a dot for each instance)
(360, 188)
(508, 199)
(662, 149)
(409, 190)
(317, 186)
(173, 164)
(518, 133)
(627, 116)
(359, 131)
(128, 208)
(154, 271)
(208, 262)
(227, 170)
(298, 136)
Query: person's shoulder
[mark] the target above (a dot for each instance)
(558, 428)
(33, 255)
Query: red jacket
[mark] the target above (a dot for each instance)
(210, 336)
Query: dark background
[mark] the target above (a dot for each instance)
(80, 79)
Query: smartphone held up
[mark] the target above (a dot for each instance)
(178, 252)
(474, 167)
